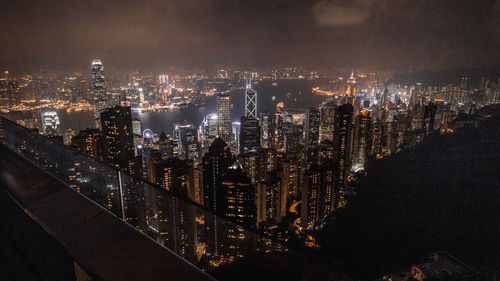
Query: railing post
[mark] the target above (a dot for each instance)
(120, 186)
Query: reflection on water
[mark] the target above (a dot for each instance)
(294, 94)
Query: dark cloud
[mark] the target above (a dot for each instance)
(330, 13)
(154, 34)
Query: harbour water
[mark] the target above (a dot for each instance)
(293, 93)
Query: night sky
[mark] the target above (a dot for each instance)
(156, 35)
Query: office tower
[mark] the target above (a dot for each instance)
(163, 79)
(235, 141)
(166, 146)
(136, 127)
(215, 164)
(89, 143)
(351, 85)
(208, 130)
(51, 125)
(342, 146)
(98, 88)
(362, 140)
(254, 165)
(327, 119)
(318, 194)
(224, 117)
(250, 100)
(249, 134)
(239, 197)
(117, 136)
(279, 133)
(311, 128)
(265, 130)
(187, 140)
(212, 121)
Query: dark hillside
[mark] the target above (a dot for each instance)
(443, 194)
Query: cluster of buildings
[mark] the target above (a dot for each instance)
(273, 160)
(284, 172)
(253, 171)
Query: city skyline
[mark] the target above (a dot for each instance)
(250, 140)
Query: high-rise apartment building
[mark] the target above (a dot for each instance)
(311, 128)
(327, 119)
(318, 194)
(362, 139)
(342, 145)
(89, 143)
(216, 163)
(117, 136)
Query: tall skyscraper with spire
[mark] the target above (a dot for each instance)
(98, 88)
(351, 88)
(250, 100)
(351, 85)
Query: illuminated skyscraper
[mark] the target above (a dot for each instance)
(342, 146)
(290, 174)
(118, 140)
(327, 114)
(311, 128)
(98, 88)
(250, 100)
(236, 128)
(273, 205)
(215, 163)
(239, 197)
(318, 194)
(249, 135)
(351, 86)
(136, 127)
(208, 131)
(175, 220)
(224, 117)
(187, 140)
(50, 123)
(362, 140)
(265, 128)
(172, 174)
(89, 143)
